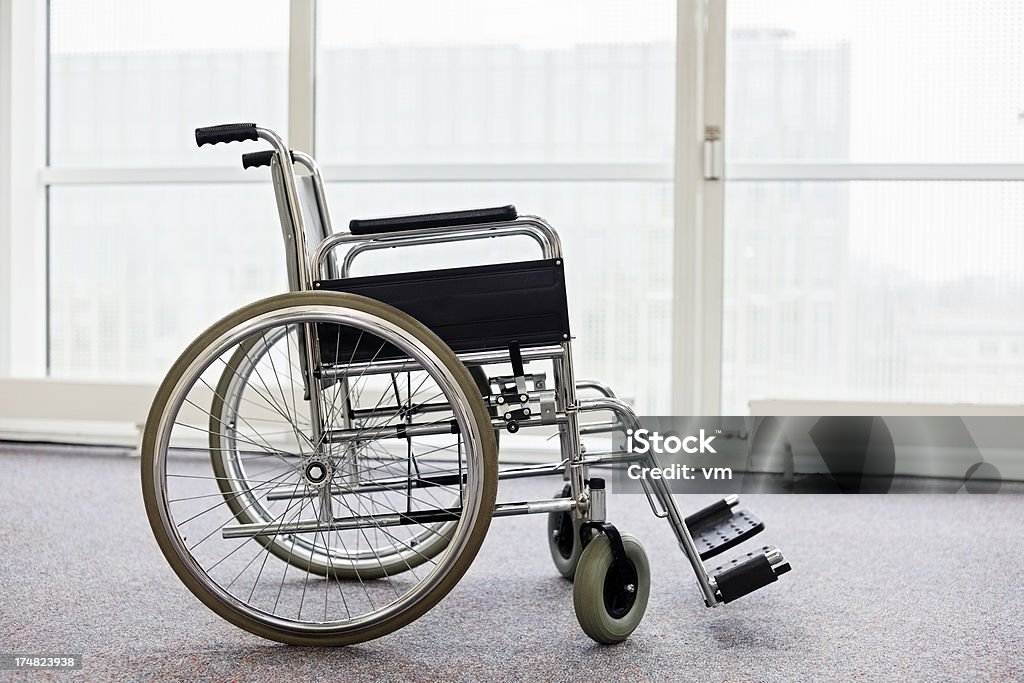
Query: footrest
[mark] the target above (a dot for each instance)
(719, 527)
(746, 573)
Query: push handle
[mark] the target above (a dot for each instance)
(257, 159)
(227, 132)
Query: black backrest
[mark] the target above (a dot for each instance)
(478, 308)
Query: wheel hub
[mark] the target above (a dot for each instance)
(620, 587)
(316, 472)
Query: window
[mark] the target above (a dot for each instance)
(505, 81)
(139, 265)
(867, 255)
(870, 246)
(137, 271)
(129, 81)
(565, 109)
(572, 100)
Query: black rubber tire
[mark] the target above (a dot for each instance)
(480, 415)
(588, 590)
(564, 556)
(484, 385)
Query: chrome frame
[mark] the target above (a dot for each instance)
(306, 267)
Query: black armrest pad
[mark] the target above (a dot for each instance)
(368, 226)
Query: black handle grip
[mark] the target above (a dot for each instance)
(257, 159)
(227, 132)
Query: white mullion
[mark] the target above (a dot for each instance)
(6, 164)
(742, 171)
(382, 173)
(712, 250)
(582, 172)
(23, 285)
(748, 170)
(301, 75)
(130, 176)
(688, 264)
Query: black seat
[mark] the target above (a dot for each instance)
(369, 226)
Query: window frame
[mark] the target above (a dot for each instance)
(745, 170)
(23, 242)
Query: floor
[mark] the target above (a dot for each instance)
(883, 588)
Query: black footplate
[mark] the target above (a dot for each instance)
(719, 527)
(747, 573)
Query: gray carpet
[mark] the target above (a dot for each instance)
(884, 588)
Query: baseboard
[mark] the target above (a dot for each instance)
(70, 432)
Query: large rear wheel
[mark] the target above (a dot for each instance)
(376, 514)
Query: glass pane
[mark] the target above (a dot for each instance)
(404, 81)
(129, 81)
(876, 81)
(881, 291)
(621, 314)
(137, 272)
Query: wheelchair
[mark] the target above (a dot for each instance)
(321, 467)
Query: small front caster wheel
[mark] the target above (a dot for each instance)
(610, 596)
(564, 539)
